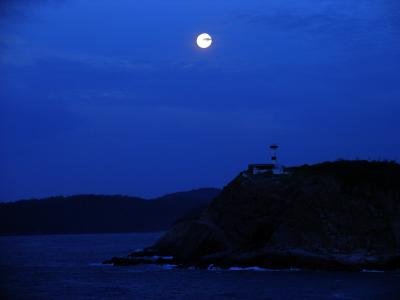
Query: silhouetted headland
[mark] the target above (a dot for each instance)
(333, 215)
(101, 214)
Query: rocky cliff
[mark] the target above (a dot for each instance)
(341, 215)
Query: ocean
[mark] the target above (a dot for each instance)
(69, 267)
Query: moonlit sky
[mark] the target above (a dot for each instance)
(114, 97)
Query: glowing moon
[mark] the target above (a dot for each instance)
(204, 40)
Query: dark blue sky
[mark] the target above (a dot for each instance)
(113, 97)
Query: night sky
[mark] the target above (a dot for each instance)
(114, 97)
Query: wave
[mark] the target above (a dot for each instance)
(372, 271)
(253, 268)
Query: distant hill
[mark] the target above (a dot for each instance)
(99, 213)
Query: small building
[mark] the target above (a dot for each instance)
(260, 168)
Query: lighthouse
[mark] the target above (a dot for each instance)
(272, 167)
(274, 149)
(277, 169)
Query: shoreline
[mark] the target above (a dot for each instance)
(352, 263)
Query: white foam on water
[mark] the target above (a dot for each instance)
(213, 268)
(156, 257)
(167, 257)
(247, 269)
(372, 271)
(253, 269)
(169, 267)
(259, 269)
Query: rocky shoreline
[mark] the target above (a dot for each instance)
(272, 260)
(333, 216)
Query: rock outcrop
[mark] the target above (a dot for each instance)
(341, 215)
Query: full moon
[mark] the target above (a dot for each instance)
(204, 40)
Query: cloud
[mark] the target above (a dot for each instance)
(325, 16)
(23, 54)
(104, 62)
(20, 8)
(179, 122)
(18, 52)
(95, 97)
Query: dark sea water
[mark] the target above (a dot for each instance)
(68, 267)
